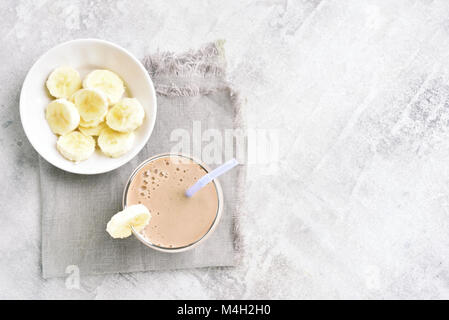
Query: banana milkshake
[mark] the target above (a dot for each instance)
(176, 220)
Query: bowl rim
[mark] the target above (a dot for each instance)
(103, 42)
(214, 224)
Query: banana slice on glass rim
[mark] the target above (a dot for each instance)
(92, 105)
(125, 116)
(106, 81)
(63, 82)
(62, 116)
(136, 216)
(113, 143)
(76, 146)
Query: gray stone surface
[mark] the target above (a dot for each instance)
(358, 91)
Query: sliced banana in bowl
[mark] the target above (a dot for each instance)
(63, 82)
(125, 116)
(106, 81)
(113, 143)
(92, 104)
(62, 116)
(91, 123)
(92, 131)
(88, 110)
(76, 146)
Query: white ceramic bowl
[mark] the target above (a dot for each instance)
(84, 55)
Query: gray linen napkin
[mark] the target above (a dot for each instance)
(191, 91)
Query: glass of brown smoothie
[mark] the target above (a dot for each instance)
(178, 223)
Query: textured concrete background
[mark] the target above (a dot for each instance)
(359, 92)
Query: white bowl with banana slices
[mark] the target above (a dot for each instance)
(88, 106)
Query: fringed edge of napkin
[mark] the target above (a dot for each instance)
(209, 59)
(209, 64)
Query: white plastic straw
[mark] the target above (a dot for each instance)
(204, 180)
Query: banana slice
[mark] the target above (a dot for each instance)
(92, 105)
(107, 82)
(125, 116)
(63, 82)
(72, 97)
(62, 116)
(90, 124)
(114, 143)
(76, 146)
(92, 131)
(136, 216)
